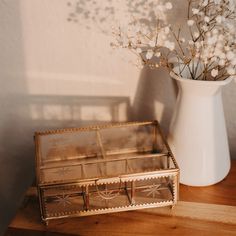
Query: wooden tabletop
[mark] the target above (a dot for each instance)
(200, 211)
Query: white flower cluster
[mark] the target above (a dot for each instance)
(213, 35)
(216, 51)
(212, 27)
(146, 36)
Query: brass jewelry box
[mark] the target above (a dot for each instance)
(103, 169)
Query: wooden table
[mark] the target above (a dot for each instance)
(200, 211)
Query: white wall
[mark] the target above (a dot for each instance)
(56, 73)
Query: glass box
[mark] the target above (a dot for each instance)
(104, 168)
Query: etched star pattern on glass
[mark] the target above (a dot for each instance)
(63, 200)
(153, 190)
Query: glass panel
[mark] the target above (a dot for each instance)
(108, 152)
(160, 146)
(61, 201)
(108, 195)
(106, 168)
(153, 190)
(147, 164)
(67, 200)
(128, 139)
(69, 146)
(61, 174)
(94, 170)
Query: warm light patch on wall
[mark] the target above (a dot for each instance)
(101, 113)
(51, 112)
(104, 113)
(79, 108)
(159, 109)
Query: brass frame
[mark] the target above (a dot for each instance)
(122, 179)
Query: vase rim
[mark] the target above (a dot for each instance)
(209, 82)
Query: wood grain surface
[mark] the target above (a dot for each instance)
(222, 193)
(200, 211)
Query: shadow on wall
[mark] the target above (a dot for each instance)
(37, 113)
(229, 103)
(98, 13)
(155, 97)
(22, 113)
(15, 164)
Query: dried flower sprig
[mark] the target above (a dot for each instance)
(208, 53)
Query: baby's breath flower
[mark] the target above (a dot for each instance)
(230, 55)
(214, 59)
(205, 28)
(214, 72)
(196, 34)
(217, 1)
(139, 50)
(190, 42)
(195, 11)
(170, 45)
(215, 31)
(204, 3)
(222, 55)
(198, 45)
(233, 61)
(167, 30)
(221, 62)
(152, 44)
(168, 5)
(211, 42)
(219, 19)
(190, 22)
(149, 54)
(206, 19)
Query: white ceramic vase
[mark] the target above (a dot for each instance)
(198, 136)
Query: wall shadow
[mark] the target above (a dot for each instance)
(15, 163)
(22, 114)
(89, 13)
(229, 104)
(42, 112)
(155, 97)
